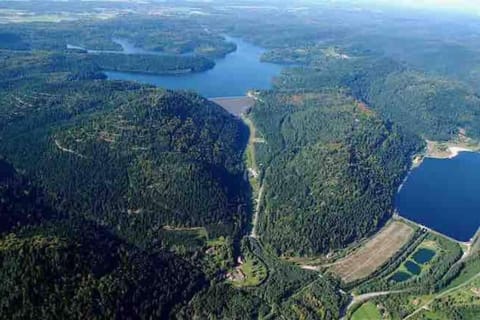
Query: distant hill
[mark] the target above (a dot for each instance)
(434, 107)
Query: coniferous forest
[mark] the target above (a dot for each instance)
(124, 200)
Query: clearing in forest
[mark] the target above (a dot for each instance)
(374, 253)
(368, 311)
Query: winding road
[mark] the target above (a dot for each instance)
(365, 297)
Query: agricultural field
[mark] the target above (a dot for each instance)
(22, 16)
(374, 253)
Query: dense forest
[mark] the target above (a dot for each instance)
(54, 265)
(434, 107)
(169, 35)
(152, 63)
(117, 179)
(126, 201)
(331, 169)
(128, 156)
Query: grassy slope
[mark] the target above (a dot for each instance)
(368, 311)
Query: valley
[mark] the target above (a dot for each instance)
(152, 167)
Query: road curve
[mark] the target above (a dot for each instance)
(365, 297)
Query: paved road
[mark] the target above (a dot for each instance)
(365, 297)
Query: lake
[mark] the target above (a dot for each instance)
(127, 48)
(443, 194)
(233, 75)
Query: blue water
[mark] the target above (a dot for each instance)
(423, 255)
(444, 195)
(412, 267)
(400, 276)
(127, 48)
(233, 75)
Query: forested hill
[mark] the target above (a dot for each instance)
(434, 107)
(54, 266)
(331, 170)
(169, 35)
(134, 158)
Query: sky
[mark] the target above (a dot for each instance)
(458, 5)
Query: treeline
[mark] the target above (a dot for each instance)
(164, 64)
(331, 170)
(18, 68)
(455, 305)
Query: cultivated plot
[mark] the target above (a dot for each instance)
(374, 253)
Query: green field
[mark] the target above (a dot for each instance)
(368, 311)
(255, 272)
(469, 270)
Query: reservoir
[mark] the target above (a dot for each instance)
(233, 75)
(443, 194)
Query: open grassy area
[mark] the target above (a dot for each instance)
(461, 299)
(469, 270)
(253, 272)
(183, 240)
(374, 253)
(431, 315)
(368, 311)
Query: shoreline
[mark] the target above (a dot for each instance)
(449, 149)
(455, 151)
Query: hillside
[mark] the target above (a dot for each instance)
(120, 200)
(52, 265)
(434, 107)
(331, 169)
(134, 158)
